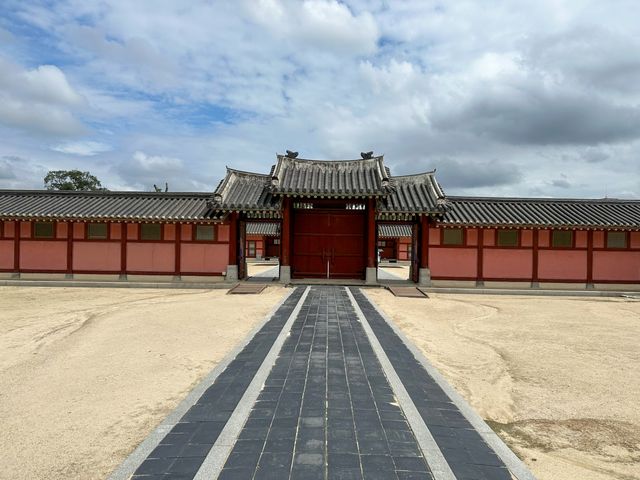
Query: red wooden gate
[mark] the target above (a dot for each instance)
(328, 244)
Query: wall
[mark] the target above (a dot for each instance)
(259, 242)
(123, 251)
(533, 258)
(404, 249)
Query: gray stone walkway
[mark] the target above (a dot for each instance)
(329, 406)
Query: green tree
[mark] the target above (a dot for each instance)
(72, 180)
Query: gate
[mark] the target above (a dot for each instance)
(328, 243)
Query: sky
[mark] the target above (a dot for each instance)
(502, 98)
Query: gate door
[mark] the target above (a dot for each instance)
(328, 244)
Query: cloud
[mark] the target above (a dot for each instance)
(495, 95)
(38, 100)
(143, 170)
(6, 168)
(83, 149)
(322, 24)
(453, 173)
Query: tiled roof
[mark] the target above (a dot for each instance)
(334, 178)
(245, 191)
(606, 213)
(45, 204)
(387, 230)
(418, 193)
(269, 229)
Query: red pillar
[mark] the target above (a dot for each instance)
(16, 246)
(480, 273)
(534, 276)
(233, 239)
(590, 257)
(285, 234)
(178, 234)
(424, 241)
(70, 247)
(371, 233)
(124, 233)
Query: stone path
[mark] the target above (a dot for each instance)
(344, 399)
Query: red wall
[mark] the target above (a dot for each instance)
(453, 262)
(96, 256)
(6, 254)
(150, 257)
(43, 255)
(106, 255)
(204, 258)
(612, 266)
(503, 263)
(460, 262)
(562, 265)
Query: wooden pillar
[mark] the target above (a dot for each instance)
(534, 269)
(424, 241)
(16, 246)
(480, 272)
(178, 233)
(124, 233)
(233, 239)
(371, 233)
(285, 234)
(589, 258)
(70, 247)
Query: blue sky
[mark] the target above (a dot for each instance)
(503, 98)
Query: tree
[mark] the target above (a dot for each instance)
(72, 180)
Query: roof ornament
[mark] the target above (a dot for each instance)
(291, 154)
(366, 155)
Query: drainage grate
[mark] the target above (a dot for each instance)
(247, 289)
(413, 292)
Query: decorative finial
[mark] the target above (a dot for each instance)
(291, 154)
(366, 155)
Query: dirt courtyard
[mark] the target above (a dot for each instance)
(558, 378)
(87, 373)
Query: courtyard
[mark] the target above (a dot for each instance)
(86, 374)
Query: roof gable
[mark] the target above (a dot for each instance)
(333, 178)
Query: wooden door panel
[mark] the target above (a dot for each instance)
(333, 236)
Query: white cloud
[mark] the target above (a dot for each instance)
(83, 149)
(38, 100)
(495, 95)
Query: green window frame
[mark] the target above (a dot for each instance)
(452, 236)
(617, 240)
(205, 233)
(150, 231)
(251, 248)
(507, 238)
(97, 231)
(44, 230)
(562, 239)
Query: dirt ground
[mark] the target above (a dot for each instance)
(86, 374)
(558, 378)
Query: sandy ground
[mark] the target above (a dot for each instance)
(557, 377)
(258, 268)
(398, 270)
(86, 374)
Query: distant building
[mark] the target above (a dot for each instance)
(324, 219)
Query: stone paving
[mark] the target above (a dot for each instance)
(327, 409)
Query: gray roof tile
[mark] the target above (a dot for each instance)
(334, 178)
(269, 229)
(389, 230)
(418, 193)
(45, 204)
(542, 212)
(245, 191)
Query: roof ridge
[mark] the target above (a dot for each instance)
(541, 199)
(103, 193)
